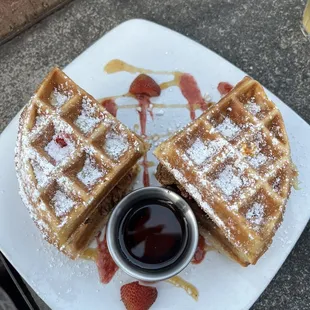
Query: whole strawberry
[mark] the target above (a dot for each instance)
(138, 297)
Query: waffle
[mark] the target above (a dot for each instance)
(234, 161)
(98, 218)
(70, 154)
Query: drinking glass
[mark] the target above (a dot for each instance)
(305, 23)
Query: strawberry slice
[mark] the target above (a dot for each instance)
(138, 297)
(106, 265)
(144, 85)
(61, 141)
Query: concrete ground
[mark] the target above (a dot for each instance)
(263, 38)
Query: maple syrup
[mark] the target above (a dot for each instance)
(153, 234)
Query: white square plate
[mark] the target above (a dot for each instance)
(222, 284)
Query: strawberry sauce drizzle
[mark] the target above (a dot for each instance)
(224, 88)
(61, 141)
(143, 88)
(191, 92)
(110, 105)
(146, 176)
(106, 265)
(200, 251)
(144, 107)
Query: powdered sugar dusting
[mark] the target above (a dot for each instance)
(256, 157)
(195, 193)
(275, 141)
(43, 224)
(57, 151)
(199, 152)
(40, 174)
(276, 185)
(59, 98)
(228, 129)
(255, 215)
(228, 181)
(40, 119)
(252, 106)
(258, 160)
(115, 145)
(62, 203)
(90, 173)
(88, 118)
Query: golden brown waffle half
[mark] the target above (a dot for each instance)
(207, 227)
(70, 155)
(234, 160)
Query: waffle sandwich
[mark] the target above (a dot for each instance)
(234, 162)
(74, 161)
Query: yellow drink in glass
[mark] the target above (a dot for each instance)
(305, 27)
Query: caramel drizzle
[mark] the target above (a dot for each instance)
(117, 65)
(90, 254)
(189, 288)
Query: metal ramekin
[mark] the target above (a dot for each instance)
(113, 234)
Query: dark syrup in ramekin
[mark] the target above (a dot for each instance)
(153, 234)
